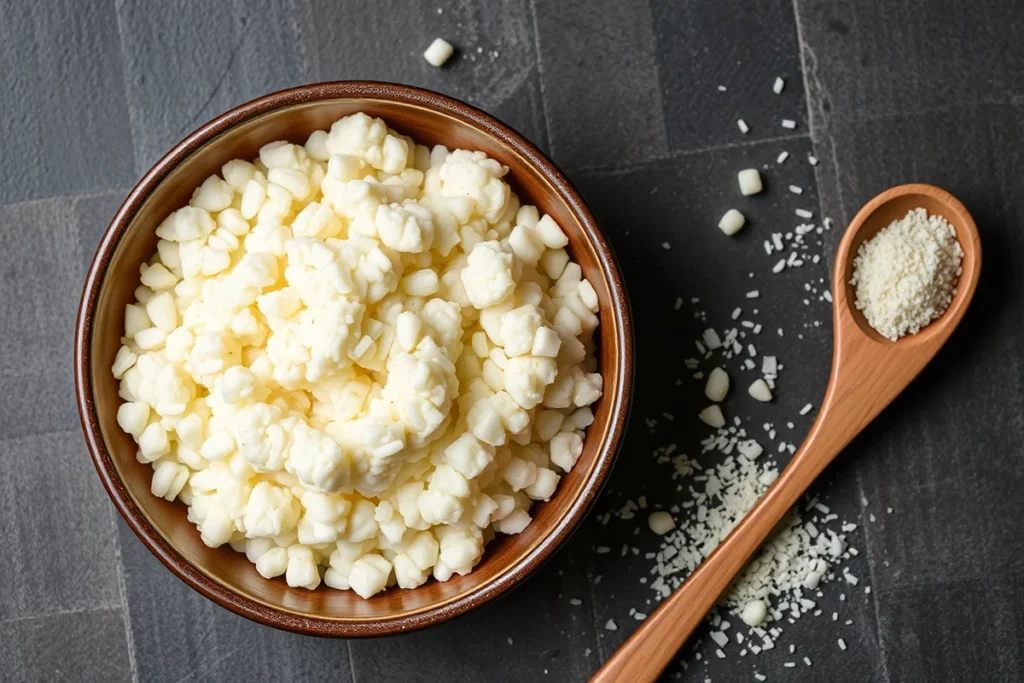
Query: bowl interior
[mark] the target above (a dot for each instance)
(227, 576)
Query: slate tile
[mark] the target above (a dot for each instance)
(494, 66)
(599, 72)
(868, 59)
(946, 455)
(52, 506)
(65, 123)
(522, 108)
(533, 633)
(679, 201)
(92, 216)
(181, 636)
(187, 62)
(741, 45)
(77, 646)
(40, 281)
(957, 630)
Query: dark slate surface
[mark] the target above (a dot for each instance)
(495, 66)
(60, 554)
(738, 44)
(185, 63)
(65, 123)
(70, 646)
(40, 282)
(624, 96)
(599, 56)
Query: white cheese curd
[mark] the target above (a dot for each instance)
(750, 181)
(359, 359)
(731, 222)
(439, 52)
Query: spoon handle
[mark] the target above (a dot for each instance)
(868, 372)
(654, 644)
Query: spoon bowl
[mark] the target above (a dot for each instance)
(892, 205)
(868, 372)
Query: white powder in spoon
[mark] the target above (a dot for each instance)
(905, 276)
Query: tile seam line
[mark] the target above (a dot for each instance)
(917, 585)
(122, 591)
(42, 435)
(92, 194)
(598, 641)
(300, 38)
(800, 47)
(662, 128)
(540, 78)
(351, 660)
(129, 108)
(811, 129)
(639, 165)
(204, 667)
(61, 613)
(871, 572)
(1015, 100)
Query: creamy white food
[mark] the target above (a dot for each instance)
(358, 360)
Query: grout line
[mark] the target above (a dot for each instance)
(122, 590)
(746, 143)
(299, 15)
(492, 97)
(540, 80)
(92, 194)
(661, 131)
(638, 165)
(800, 46)
(598, 628)
(124, 81)
(871, 572)
(205, 667)
(59, 613)
(835, 176)
(38, 435)
(818, 171)
(351, 660)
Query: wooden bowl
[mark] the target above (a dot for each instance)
(222, 574)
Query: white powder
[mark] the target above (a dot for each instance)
(905, 276)
(788, 568)
(721, 498)
(808, 550)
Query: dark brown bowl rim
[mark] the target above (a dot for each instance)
(162, 549)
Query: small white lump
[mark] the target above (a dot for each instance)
(712, 416)
(717, 385)
(750, 181)
(754, 613)
(360, 359)
(760, 391)
(661, 522)
(731, 222)
(439, 52)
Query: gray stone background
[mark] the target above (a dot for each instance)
(623, 95)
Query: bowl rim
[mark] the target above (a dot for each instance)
(162, 548)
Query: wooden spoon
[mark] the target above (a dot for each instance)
(868, 371)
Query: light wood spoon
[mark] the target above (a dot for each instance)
(868, 371)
